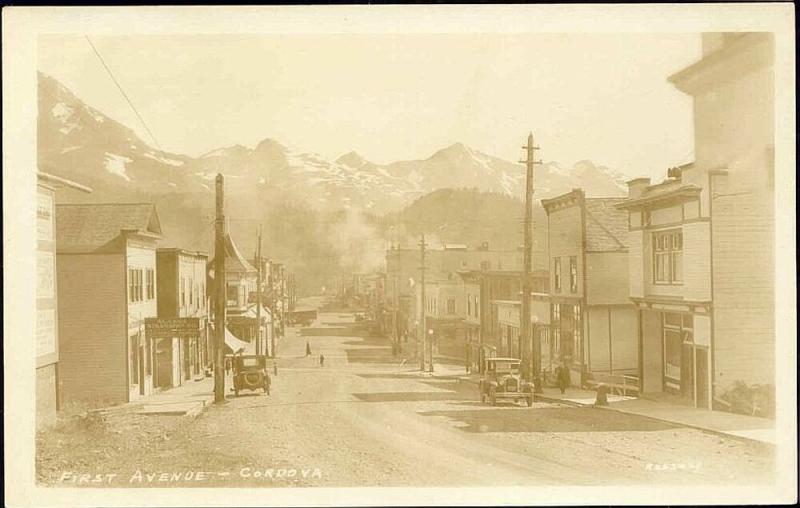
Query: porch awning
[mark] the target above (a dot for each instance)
(265, 313)
(234, 345)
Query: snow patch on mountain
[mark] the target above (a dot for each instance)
(165, 160)
(117, 165)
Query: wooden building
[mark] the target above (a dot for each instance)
(183, 296)
(701, 242)
(48, 389)
(593, 322)
(106, 267)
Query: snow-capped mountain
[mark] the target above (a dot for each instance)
(79, 142)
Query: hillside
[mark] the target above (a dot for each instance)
(467, 216)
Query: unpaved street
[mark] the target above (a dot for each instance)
(367, 419)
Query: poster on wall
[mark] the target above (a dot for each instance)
(45, 332)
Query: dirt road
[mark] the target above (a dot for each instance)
(365, 419)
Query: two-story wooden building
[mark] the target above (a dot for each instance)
(701, 242)
(183, 297)
(48, 390)
(106, 280)
(593, 322)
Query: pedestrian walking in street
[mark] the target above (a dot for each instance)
(321, 360)
(275, 369)
(562, 377)
(308, 349)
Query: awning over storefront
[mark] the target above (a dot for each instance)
(234, 345)
(265, 313)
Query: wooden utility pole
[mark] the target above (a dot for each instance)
(527, 348)
(219, 293)
(422, 332)
(272, 308)
(259, 340)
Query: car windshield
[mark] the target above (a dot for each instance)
(506, 366)
(249, 362)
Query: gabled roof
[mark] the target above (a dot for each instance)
(100, 226)
(606, 225)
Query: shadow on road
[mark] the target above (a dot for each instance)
(563, 419)
(407, 396)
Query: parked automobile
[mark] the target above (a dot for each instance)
(250, 373)
(501, 380)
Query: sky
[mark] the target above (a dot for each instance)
(603, 97)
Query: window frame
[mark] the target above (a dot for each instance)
(667, 254)
(557, 275)
(573, 274)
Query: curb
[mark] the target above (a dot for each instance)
(656, 419)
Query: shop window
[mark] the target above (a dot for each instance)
(451, 305)
(576, 332)
(557, 274)
(573, 274)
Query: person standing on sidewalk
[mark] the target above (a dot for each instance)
(562, 377)
(321, 360)
(308, 349)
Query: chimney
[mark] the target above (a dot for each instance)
(637, 186)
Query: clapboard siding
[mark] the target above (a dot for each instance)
(565, 240)
(744, 302)
(696, 261)
(606, 278)
(92, 328)
(142, 257)
(636, 273)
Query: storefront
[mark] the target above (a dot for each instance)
(566, 338)
(676, 355)
(177, 349)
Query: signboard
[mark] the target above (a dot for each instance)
(44, 217)
(45, 332)
(45, 268)
(168, 328)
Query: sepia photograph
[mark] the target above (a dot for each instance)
(431, 255)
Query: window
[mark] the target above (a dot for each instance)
(469, 305)
(677, 331)
(151, 284)
(485, 265)
(557, 274)
(135, 289)
(190, 283)
(232, 294)
(131, 285)
(451, 305)
(477, 307)
(573, 274)
(668, 257)
(576, 334)
(183, 292)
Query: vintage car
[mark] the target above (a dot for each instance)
(501, 380)
(250, 373)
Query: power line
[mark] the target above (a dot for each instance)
(130, 103)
